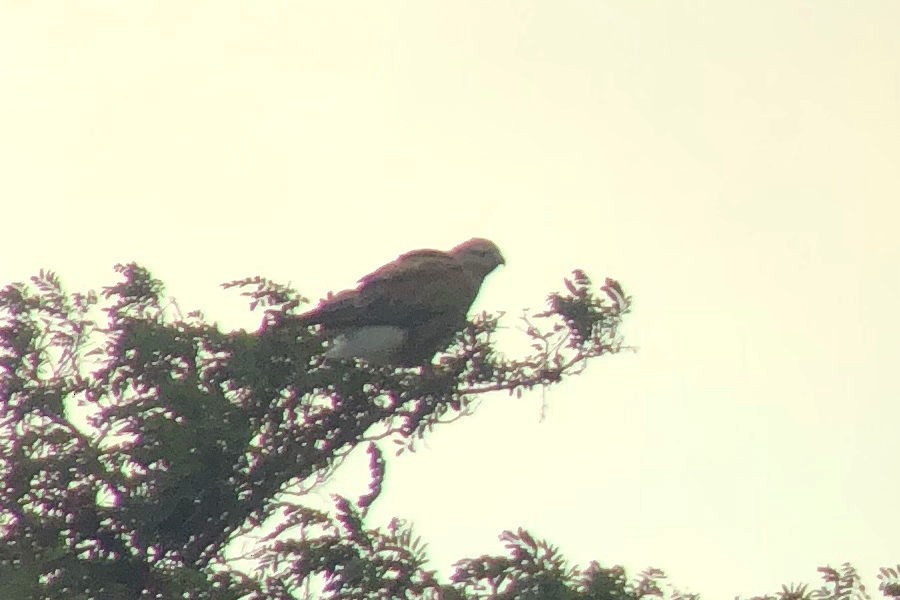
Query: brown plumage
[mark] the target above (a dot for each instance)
(407, 310)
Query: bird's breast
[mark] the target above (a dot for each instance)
(376, 344)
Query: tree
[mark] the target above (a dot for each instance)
(134, 450)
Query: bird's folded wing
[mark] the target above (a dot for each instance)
(333, 311)
(413, 288)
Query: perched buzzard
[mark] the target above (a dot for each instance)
(407, 310)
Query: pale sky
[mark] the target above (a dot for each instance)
(734, 164)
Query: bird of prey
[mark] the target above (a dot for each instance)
(409, 309)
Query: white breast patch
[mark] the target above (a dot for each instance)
(375, 343)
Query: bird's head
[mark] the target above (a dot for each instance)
(479, 256)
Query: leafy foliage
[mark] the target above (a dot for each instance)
(889, 581)
(137, 443)
(839, 584)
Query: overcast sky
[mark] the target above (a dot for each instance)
(734, 164)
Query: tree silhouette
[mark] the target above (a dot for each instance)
(136, 443)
